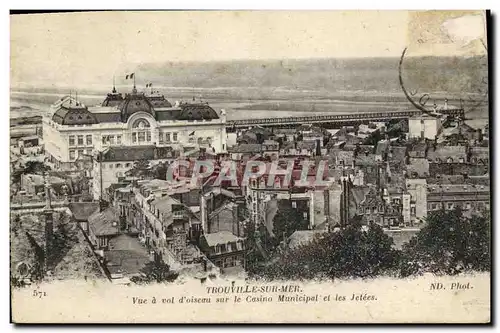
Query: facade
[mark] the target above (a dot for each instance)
(72, 129)
(224, 249)
(450, 196)
(470, 198)
(417, 188)
(424, 127)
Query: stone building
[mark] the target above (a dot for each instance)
(72, 129)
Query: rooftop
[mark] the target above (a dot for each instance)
(222, 237)
(457, 188)
(135, 153)
(82, 210)
(39, 180)
(105, 223)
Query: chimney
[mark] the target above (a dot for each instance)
(318, 147)
(102, 205)
(446, 103)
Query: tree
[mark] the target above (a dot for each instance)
(140, 169)
(450, 243)
(35, 167)
(350, 252)
(373, 138)
(286, 221)
(156, 271)
(159, 171)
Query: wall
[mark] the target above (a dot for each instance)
(431, 127)
(418, 191)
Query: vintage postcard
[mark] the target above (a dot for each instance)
(250, 167)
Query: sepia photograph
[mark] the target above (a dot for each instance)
(250, 167)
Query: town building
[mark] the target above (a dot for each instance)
(225, 250)
(425, 126)
(469, 197)
(72, 129)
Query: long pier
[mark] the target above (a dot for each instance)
(335, 119)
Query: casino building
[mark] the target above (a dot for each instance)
(72, 130)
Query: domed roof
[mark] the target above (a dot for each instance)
(197, 111)
(74, 115)
(135, 102)
(113, 99)
(158, 100)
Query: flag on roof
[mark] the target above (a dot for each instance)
(129, 76)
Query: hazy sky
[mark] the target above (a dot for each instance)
(77, 48)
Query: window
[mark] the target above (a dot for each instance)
(413, 211)
(167, 137)
(142, 137)
(449, 160)
(200, 141)
(71, 140)
(118, 165)
(450, 205)
(127, 165)
(134, 137)
(89, 140)
(160, 137)
(461, 160)
(175, 136)
(433, 206)
(294, 204)
(72, 155)
(80, 140)
(148, 136)
(118, 139)
(80, 152)
(112, 139)
(467, 205)
(111, 166)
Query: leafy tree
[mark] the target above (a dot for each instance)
(286, 221)
(140, 169)
(159, 171)
(35, 167)
(450, 243)
(373, 138)
(348, 252)
(156, 271)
